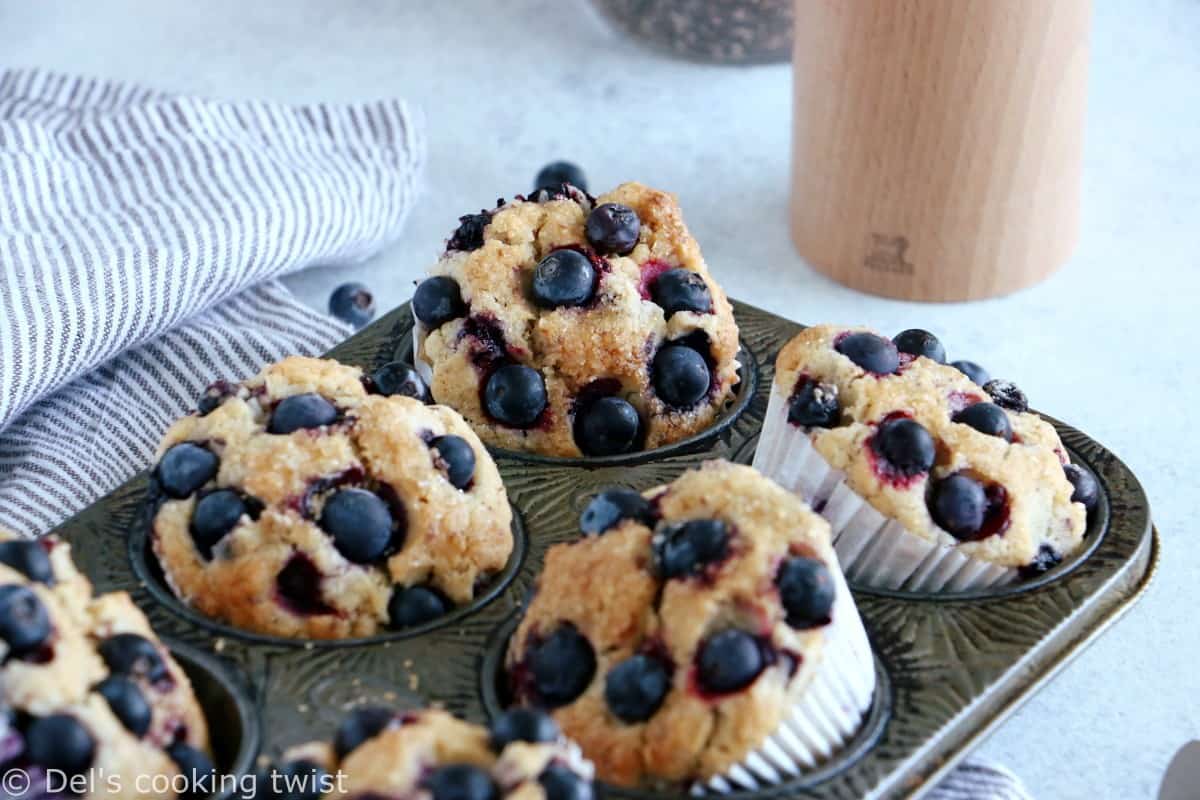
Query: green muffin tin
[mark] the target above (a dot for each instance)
(951, 668)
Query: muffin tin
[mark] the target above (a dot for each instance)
(950, 667)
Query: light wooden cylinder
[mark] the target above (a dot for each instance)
(937, 144)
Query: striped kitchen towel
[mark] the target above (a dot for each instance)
(141, 238)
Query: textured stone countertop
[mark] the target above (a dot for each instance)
(1108, 343)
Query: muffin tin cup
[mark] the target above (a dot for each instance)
(743, 394)
(948, 666)
(877, 552)
(829, 712)
(233, 723)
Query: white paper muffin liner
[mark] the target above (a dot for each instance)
(423, 367)
(874, 550)
(828, 713)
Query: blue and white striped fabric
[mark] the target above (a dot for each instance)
(140, 236)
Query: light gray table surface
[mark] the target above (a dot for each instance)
(1109, 343)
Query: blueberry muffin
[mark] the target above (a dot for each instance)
(567, 326)
(86, 686)
(913, 462)
(378, 752)
(679, 637)
(300, 504)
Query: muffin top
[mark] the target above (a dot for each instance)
(86, 684)
(671, 639)
(379, 752)
(569, 326)
(297, 504)
(956, 463)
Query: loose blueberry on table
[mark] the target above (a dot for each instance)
(564, 278)
(607, 426)
(609, 508)
(987, 418)
(870, 352)
(681, 290)
(515, 395)
(917, 342)
(613, 229)
(438, 300)
(557, 173)
(353, 303)
(681, 376)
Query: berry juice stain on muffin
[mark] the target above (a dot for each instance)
(319, 502)
(560, 293)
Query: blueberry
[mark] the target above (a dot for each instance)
(359, 522)
(560, 782)
(468, 235)
(635, 688)
(127, 702)
(24, 621)
(562, 666)
(185, 468)
(959, 504)
(987, 418)
(301, 411)
(399, 378)
(814, 405)
(557, 173)
(59, 742)
(729, 661)
(1087, 489)
(415, 605)
(359, 726)
(132, 655)
(681, 290)
(681, 376)
(515, 395)
(437, 301)
(300, 780)
(806, 590)
(563, 278)
(685, 548)
(917, 342)
(28, 558)
(1007, 395)
(905, 446)
(976, 373)
(1047, 558)
(353, 303)
(216, 514)
(523, 725)
(197, 770)
(455, 455)
(607, 509)
(607, 426)
(613, 229)
(298, 586)
(872, 353)
(460, 782)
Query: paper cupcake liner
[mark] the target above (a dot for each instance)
(826, 716)
(423, 367)
(874, 550)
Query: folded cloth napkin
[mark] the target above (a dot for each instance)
(141, 235)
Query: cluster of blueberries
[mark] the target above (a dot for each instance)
(446, 781)
(363, 526)
(961, 504)
(58, 741)
(560, 667)
(514, 394)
